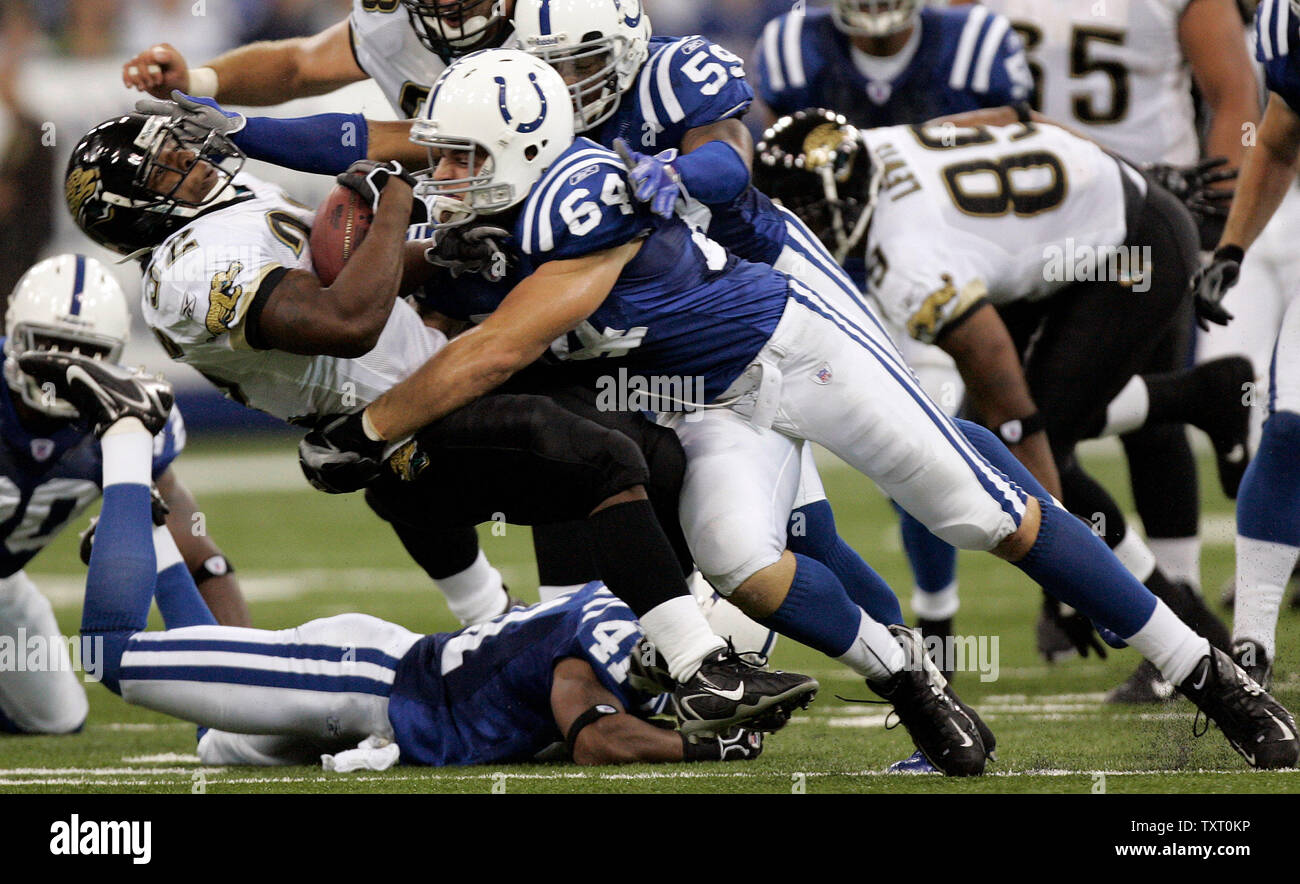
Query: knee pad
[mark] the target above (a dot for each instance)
(614, 462)
(728, 552)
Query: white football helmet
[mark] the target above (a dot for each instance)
(510, 112)
(598, 46)
(70, 303)
(875, 18)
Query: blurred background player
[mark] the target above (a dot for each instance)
(1122, 74)
(565, 672)
(1268, 508)
(51, 470)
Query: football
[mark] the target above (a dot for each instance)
(342, 222)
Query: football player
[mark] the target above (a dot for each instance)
(51, 468)
(566, 672)
(780, 364)
(229, 289)
(403, 46)
(1268, 508)
(1122, 74)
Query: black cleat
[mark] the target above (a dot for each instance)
(939, 725)
(1255, 724)
(1253, 659)
(1146, 685)
(102, 392)
(1225, 417)
(729, 690)
(935, 635)
(1054, 645)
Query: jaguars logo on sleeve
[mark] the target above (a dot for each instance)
(224, 300)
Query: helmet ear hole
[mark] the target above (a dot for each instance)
(531, 152)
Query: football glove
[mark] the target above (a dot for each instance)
(737, 744)
(654, 180)
(1079, 630)
(1193, 185)
(338, 457)
(1211, 283)
(196, 116)
(471, 250)
(368, 178)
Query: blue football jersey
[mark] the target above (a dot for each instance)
(966, 58)
(46, 481)
(483, 694)
(686, 82)
(1277, 39)
(683, 307)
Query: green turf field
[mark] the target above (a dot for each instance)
(302, 555)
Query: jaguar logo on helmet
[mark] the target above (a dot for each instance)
(82, 184)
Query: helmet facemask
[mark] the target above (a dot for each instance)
(161, 181)
(453, 29)
(594, 70)
(457, 201)
(875, 18)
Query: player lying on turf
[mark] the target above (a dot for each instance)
(1040, 355)
(229, 289)
(50, 470)
(1268, 509)
(782, 365)
(506, 690)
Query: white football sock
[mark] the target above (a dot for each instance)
(546, 593)
(1179, 558)
(1135, 555)
(1263, 570)
(875, 653)
(164, 548)
(677, 628)
(1128, 411)
(935, 605)
(1169, 643)
(475, 594)
(128, 454)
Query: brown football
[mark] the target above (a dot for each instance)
(342, 222)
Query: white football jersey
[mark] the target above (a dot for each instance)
(987, 212)
(387, 48)
(203, 279)
(1112, 70)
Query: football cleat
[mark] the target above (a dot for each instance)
(729, 689)
(941, 728)
(102, 392)
(1253, 659)
(1145, 685)
(1255, 724)
(1225, 417)
(160, 510)
(916, 763)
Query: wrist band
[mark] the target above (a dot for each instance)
(213, 566)
(203, 83)
(1013, 432)
(1229, 253)
(600, 710)
(368, 427)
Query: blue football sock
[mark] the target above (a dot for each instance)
(816, 611)
(179, 600)
(1268, 503)
(120, 583)
(1072, 563)
(812, 533)
(934, 563)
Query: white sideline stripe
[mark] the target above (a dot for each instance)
(161, 758)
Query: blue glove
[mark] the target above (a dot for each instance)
(197, 116)
(1111, 638)
(654, 179)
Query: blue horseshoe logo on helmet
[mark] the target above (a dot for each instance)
(522, 128)
(628, 19)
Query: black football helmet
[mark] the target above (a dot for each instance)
(453, 28)
(109, 175)
(817, 166)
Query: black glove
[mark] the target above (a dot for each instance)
(1211, 283)
(737, 744)
(1079, 630)
(1193, 186)
(338, 457)
(368, 178)
(471, 250)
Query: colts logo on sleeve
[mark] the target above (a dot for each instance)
(522, 128)
(223, 300)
